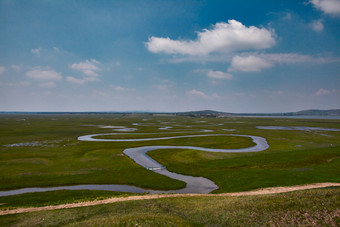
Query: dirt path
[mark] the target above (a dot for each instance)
(264, 191)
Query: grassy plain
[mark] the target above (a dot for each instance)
(304, 208)
(43, 150)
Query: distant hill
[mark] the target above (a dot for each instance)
(212, 113)
(334, 112)
(205, 113)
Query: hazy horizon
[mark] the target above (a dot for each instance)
(235, 56)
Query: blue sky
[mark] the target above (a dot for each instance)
(233, 56)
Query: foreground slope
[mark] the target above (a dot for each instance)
(318, 207)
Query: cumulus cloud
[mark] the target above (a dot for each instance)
(88, 67)
(249, 64)
(39, 74)
(223, 37)
(219, 75)
(331, 7)
(2, 70)
(317, 25)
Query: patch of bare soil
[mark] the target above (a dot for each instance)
(264, 191)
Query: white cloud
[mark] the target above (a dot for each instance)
(249, 64)
(75, 80)
(322, 92)
(215, 96)
(164, 87)
(196, 93)
(2, 70)
(120, 88)
(20, 84)
(36, 51)
(39, 74)
(219, 75)
(288, 16)
(24, 83)
(81, 81)
(16, 67)
(287, 58)
(331, 7)
(201, 95)
(50, 84)
(89, 68)
(254, 62)
(98, 93)
(279, 92)
(91, 79)
(317, 25)
(223, 37)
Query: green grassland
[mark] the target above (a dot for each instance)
(49, 153)
(303, 208)
(39, 199)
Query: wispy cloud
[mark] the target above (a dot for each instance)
(36, 51)
(317, 25)
(254, 62)
(196, 93)
(322, 92)
(16, 67)
(164, 87)
(88, 67)
(50, 84)
(120, 88)
(201, 95)
(2, 70)
(40, 74)
(19, 84)
(248, 64)
(223, 37)
(81, 81)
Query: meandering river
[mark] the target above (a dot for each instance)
(139, 155)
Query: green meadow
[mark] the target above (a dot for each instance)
(43, 151)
